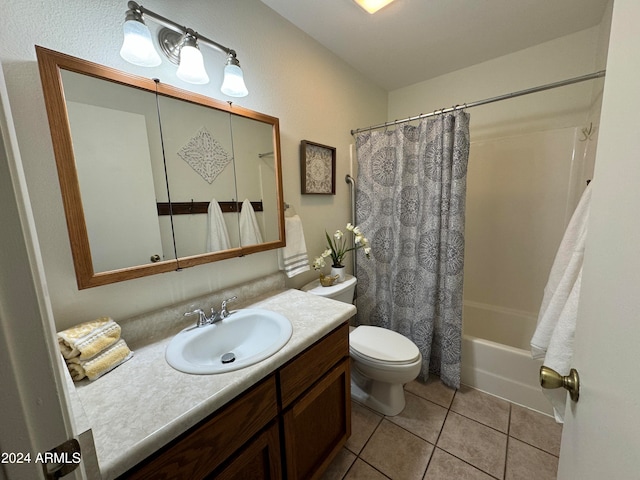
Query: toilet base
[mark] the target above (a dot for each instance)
(385, 398)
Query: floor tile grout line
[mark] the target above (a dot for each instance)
(449, 410)
(363, 460)
(533, 446)
(479, 422)
(364, 445)
(475, 467)
(506, 453)
(435, 445)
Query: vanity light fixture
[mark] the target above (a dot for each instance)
(372, 6)
(181, 46)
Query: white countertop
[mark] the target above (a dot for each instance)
(143, 404)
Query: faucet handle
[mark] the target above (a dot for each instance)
(223, 308)
(202, 319)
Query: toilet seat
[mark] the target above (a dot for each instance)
(381, 346)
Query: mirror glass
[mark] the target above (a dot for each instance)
(118, 157)
(256, 171)
(139, 163)
(198, 149)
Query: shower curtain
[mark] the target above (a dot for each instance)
(410, 203)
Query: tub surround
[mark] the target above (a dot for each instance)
(144, 404)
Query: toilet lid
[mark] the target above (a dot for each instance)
(383, 345)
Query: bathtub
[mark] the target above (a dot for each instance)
(496, 358)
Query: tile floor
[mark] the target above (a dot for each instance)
(447, 434)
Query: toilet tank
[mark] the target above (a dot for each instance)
(343, 292)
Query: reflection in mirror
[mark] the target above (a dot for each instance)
(198, 149)
(255, 173)
(107, 143)
(115, 137)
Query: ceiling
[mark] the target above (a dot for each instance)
(414, 40)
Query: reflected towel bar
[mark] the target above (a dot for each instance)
(190, 208)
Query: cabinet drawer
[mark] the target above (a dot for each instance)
(308, 367)
(204, 447)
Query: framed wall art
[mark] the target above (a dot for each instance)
(317, 168)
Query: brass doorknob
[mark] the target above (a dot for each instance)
(549, 378)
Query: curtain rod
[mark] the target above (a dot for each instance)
(549, 86)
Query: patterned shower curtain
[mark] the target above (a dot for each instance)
(410, 203)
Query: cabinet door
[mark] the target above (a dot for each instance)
(259, 460)
(318, 424)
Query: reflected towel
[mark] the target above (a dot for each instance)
(292, 258)
(249, 228)
(553, 338)
(217, 235)
(102, 363)
(89, 338)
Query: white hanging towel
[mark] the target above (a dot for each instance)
(293, 258)
(249, 228)
(217, 235)
(553, 338)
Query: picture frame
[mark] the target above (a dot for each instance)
(317, 168)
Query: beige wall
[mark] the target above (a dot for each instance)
(314, 94)
(563, 58)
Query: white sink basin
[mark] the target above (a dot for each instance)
(245, 337)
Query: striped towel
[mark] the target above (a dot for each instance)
(292, 258)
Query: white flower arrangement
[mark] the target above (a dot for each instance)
(337, 247)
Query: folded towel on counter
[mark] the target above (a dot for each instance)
(554, 335)
(217, 235)
(293, 258)
(89, 338)
(102, 363)
(249, 228)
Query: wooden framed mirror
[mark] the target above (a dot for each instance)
(139, 164)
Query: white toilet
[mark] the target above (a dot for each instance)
(382, 361)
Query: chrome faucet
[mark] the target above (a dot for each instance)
(203, 320)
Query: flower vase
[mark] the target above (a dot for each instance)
(338, 272)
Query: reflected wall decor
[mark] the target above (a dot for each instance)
(205, 155)
(317, 168)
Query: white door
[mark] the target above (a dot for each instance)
(601, 436)
(34, 416)
(107, 165)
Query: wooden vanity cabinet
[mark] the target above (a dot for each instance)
(316, 400)
(291, 425)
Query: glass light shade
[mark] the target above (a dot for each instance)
(233, 83)
(137, 47)
(191, 67)
(372, 6)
